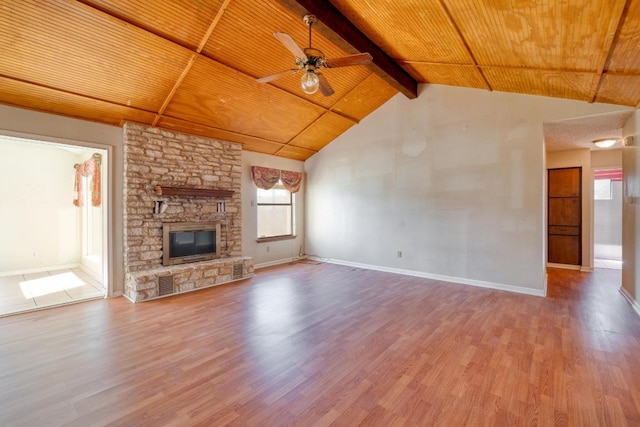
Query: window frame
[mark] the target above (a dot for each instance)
(292, 235)
(596, 194)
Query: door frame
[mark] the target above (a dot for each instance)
(580, 263)
(593, 207)
(108, 266)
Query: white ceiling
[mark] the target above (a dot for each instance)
(579, 133)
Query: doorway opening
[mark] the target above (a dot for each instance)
(607, 218)
(53, 224)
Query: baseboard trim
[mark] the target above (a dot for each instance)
(586, 269)
(565, 266)
(91, 273)
(39, 270)
(442, 278)
(634, 304)
(277, 262)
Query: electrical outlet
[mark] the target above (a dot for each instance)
(268, 248)
(399, 254)
(34, 254)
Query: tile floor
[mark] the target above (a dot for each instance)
(27, 292)
(607, 256)
(613, 264)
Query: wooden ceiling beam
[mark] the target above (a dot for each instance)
(456, 27)
(239, 135)
(175, 87)
(197, 52)
(186, 70)
(609, 49)
(339, 30)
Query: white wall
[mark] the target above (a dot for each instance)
(454, 179)
(48, 127)
(631, 212)
(92, 237)
(580, 158)
(602, 159)
(38, 222)
(275, 252)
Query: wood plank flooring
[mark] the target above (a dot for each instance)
(319, 344)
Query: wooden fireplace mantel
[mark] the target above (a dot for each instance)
(162, 190)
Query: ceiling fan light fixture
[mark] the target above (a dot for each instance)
(605, 142)
(311, 60)
(310, 82)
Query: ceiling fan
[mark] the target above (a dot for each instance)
(311, 60)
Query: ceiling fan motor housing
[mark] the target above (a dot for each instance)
(315, 58)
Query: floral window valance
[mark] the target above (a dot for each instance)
(266, 178)
(88, 168)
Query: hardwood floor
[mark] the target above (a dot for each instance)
(320, 344)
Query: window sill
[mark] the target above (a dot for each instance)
(275, 238)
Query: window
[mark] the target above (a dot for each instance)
(602, 189)
(275, 212)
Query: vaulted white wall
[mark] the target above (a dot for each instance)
(453, 179)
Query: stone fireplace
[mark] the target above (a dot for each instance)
(204, 176)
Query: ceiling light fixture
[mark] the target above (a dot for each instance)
(310, 82)
(605, 142)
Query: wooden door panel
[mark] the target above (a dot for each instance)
(564, 249)
(564, 211)
(564, 230)
(564, 182)
(564, 216)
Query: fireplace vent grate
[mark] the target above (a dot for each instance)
(165, 285)
(237, 271)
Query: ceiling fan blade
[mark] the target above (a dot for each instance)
(275, 76)
(288, 42)
(347, 61)
(325, 87)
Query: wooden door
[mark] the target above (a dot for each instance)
(565, 216)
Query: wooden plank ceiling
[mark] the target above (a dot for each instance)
(191, 66)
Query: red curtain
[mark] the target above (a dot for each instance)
(291, 180)
(91, 168)
(266, 178)
(612, 174)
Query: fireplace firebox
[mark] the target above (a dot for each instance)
(184, 242)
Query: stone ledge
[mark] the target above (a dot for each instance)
(143, 285)
(178, 268)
